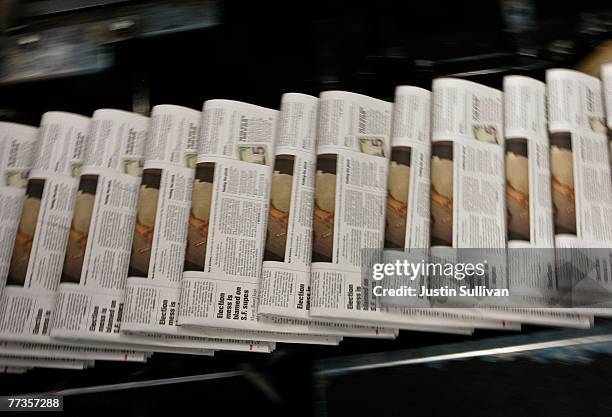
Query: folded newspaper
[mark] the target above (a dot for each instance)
(353, 153)
(164, 219)
(17, 145)
(90, 299)
(581, 190)
(531, 259)
(34, 238)
(39, 246)
(226, 240)
(240, 226)
(285, 279)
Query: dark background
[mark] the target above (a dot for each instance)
(255, 51)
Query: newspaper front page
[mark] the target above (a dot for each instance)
(531, 260)
(160, 237)
(462, 112)
(36, 262)
(353, 152)
(581, 188)
(407, 215)
(164, 217)
(285, 281)
(233, 176)
(17, 150)
(353, 147)
(94, 269)
(226, 237)
(407, 229)
(90, 297)
(467, 190)
(285, 278)
(34, 239)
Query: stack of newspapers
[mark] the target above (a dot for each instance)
(239, 226)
